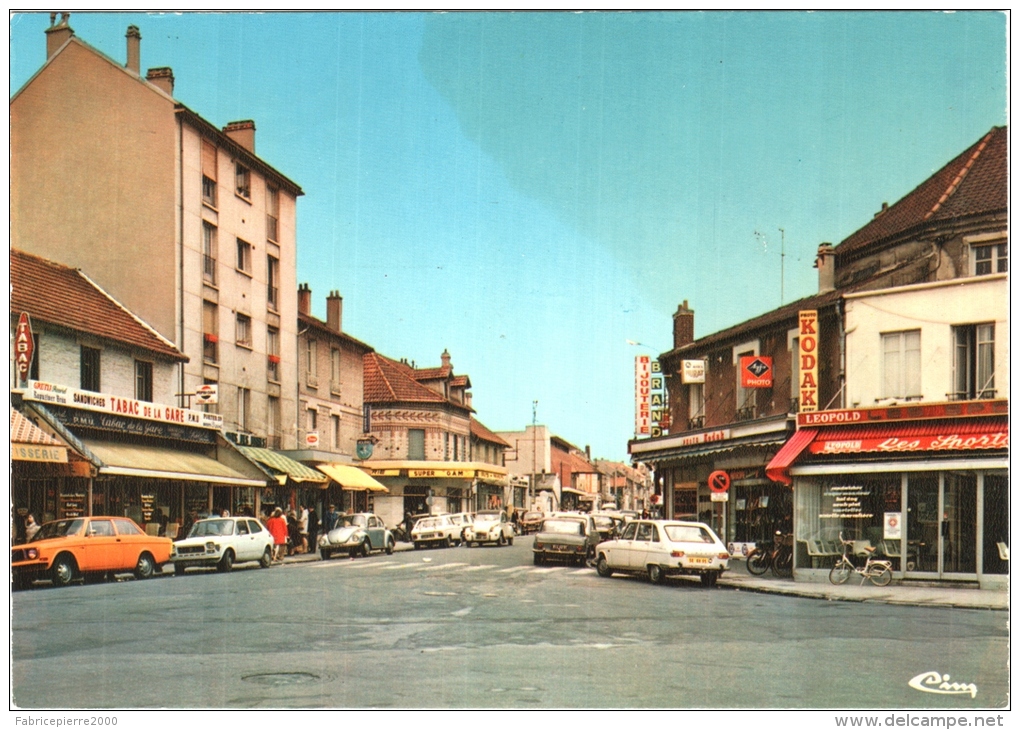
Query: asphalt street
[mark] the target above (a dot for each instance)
(484, 628)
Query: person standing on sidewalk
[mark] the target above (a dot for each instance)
(277, 527)
(313, 528)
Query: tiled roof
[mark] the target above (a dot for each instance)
(973, 183)
(64, 297)
(389, 381)
(432, 373)
(23, 431)
(460, 381)
(482, 433)
(323, 328)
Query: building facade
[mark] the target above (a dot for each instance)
(177, 218)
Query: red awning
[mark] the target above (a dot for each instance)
(778, 469)
(915, 436)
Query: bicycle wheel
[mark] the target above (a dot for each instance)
(758, 563)
(840, 573)
(880, 575)
(782, 565)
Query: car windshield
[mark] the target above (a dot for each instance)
(688, 533)
(60, 528)
(603, 522)
(563, 527)
(487, 515)
(210, 528)
(351, 521)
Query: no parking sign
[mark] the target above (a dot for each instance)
(719, 482)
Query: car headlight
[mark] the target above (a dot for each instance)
(211, 547)
(32, 553)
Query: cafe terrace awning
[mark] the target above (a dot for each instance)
(283, 468)
(160, 462)
(928, 437)
(351, 478)
(31, 443)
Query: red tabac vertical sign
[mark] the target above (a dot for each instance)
(24, 347)
(807, 353)
(642, 395)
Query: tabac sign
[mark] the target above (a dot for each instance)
(807, 360)
(24, 346)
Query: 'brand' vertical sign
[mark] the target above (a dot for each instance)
(807, 353)
(642, 395)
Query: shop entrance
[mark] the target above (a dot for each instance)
(942, 522)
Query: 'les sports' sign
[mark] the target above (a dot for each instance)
(807, 360)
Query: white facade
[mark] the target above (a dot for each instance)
(935, 312)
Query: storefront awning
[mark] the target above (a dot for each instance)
(917, 436)
(578, 492)
(351, 478)
(160, 462)
(282, 467)
(778, 469)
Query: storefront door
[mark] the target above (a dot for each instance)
(942, 523)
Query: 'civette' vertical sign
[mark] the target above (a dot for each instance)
(808, 354)
(642, 395)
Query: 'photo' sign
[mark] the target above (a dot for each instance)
(755, 371)
(807, 360)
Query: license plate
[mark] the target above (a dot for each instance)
(701, 561)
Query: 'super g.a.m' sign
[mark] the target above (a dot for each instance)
(807, 360)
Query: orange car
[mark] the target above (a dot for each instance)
(64, 550)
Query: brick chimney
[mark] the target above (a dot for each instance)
(242, 132)
(134, 50)
(162, 77)
(58, 33)
(304, 299)
(825, 262)
(334, 311)
(445, 358)
(683, 326)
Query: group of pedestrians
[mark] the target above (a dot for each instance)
(294, 532)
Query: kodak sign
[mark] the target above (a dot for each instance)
(807, 353)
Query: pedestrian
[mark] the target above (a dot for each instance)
(293, 533)
(330, 518)
(313, 528)
(225, 513)
(31, 527)
(187, 524)
(277, 527)
(408, 525)
(302, 517)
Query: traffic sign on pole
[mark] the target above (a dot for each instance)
(719, 481)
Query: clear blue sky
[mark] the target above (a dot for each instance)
(530, 191)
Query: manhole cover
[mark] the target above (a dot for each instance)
(277, 679)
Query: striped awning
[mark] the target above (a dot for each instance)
(282, 467)
(161, 462)
(351, 478)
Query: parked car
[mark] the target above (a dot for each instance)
(662, 548)
(464, 519)
(609, 526)
(531, 521)
(222, 542)
(357, 534)
(436, 531)
(490, 526)
(566, 537)
(88, 547)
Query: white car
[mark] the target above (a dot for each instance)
(661, 548)
(490, 526)
(221, 542)
(437, 530)
(464, 519)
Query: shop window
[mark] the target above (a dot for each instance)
(143, 380)
(974, 362)
(995, 557)
(901, 365)
(416, 444)
(90, 357)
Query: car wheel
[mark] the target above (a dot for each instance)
(502, 540)
(366, 548)
(146, 567)
(602, 567)
(709, 579)
(510, 540)
(654, 574)
(539, 559)
(178, 568)
(226, 563)
(389, 546)
(447, 542)
(63, 570)
(325, 553)
(267, 559)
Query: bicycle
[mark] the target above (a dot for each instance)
(775, 554)
(878, 572)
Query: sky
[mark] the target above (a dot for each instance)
(534, 192)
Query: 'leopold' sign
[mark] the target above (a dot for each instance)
(807, 355)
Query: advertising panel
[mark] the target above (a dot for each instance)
(755, 371)
(692, 371)
(807, 354)
(642, 395)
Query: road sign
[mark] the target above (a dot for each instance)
(430, 501)
(719, 481)
(720, 496)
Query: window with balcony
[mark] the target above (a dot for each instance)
(273, 283)
(209, 252)
(242, 330)
(990, 258)
(90, 358)
(244, 256)
(209, 173)
(272, 213)
(973, 362)
(273, 353)
(696, 406)
(242, 181)
(143, 380)
(901, 365)
(210, 332)
(274, 420)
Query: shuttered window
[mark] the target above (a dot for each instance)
(209, 173)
